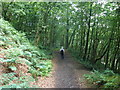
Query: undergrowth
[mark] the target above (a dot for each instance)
(9, 80)
(100, 77)
(86, 63)
(15, 52)
(106, 79)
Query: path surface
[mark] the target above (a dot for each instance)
(67, 73)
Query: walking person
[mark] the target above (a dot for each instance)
(62, 51)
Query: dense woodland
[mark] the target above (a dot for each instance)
(89, 30)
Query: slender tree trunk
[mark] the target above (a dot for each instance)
(114, 58)
(67, 31)
(88, 32)
(72, 36)
(107, 57)
(91, 41)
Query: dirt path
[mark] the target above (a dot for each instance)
(66, 73)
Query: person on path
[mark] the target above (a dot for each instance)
(62, 51)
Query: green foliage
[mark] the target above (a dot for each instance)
(7, 78)
(11, 86)
(13, 68)
(87, 63)
(106, 79)
(26, 79)
(20, 82)
(28, 54)
(41, 69)
(14, 52)
(17, 49)
(8, 60)
(44, 67)
(2, 43)
(109, 72)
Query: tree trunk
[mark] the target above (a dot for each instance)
(67, 31)
(88, 32)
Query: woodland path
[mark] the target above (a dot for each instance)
(66, 73)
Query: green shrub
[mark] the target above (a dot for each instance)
(13, 68)
(13, 52)
(2, 43)
(106, 79)
(17, 49)
(21, 82)
(7, 78)
(41, 69)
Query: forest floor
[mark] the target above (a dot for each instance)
(66, 73)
